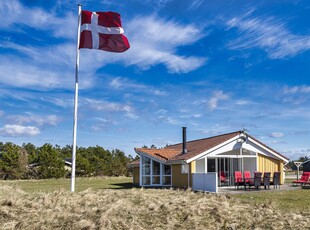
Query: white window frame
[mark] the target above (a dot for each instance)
(184, 168)
(161, 175)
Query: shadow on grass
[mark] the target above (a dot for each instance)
(126, 185)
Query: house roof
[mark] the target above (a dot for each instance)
(161, 154)
(134, 163)
(194, 148)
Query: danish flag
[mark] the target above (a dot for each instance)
(103, 31)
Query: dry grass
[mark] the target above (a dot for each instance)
(138, 209)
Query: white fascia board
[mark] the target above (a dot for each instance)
(268, 150)
(151, 157)
(213, 149)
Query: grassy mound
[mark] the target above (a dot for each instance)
(138, 209)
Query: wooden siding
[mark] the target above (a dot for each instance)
(267, 164)
(136, 175)
(179, 179)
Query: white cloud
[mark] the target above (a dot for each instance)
(267, 34)
(53, 68)
(116, 83)
(243, 102)
(13, 14)
(217, 96)
(52, 120)
(19, 130)
(276, 135)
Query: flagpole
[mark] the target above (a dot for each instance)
(76, 99)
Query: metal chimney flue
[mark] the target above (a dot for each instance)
(184, 140)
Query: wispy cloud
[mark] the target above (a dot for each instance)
(158, 43)
(276, 135)
(296, 153)
(268, 34)
(214, 100)
(106, 106)
(15, 15)
(120, 83)
(30, 118)
(304, 89)
(296, 95)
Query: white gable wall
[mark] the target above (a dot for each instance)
(234, 144)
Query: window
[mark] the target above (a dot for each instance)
(166, 170)
(146, 166)
(184, 168)
(211, 165)
(146, 180)
(154, 172)
(146, 171)
(200, 165)
(166, 180)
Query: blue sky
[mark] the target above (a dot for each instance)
(213, 66)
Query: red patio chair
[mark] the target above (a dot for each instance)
(238, 179)
(222, 176)
(304, 178)
(247, 176)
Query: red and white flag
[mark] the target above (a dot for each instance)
(102, 30)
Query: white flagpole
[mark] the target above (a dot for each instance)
(76, 100)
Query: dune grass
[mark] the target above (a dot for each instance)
(111, 203)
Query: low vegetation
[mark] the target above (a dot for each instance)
(113, 205)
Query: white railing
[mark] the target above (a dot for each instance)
(205, 182)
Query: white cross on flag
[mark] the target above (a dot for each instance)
(102, 30)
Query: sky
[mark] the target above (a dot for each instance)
(213, 66)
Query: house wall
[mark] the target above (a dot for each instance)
(136, 175)
(267, 164)
(179, 179)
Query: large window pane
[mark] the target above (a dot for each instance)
(156, 180)
(211, 165)
(146, 166)
(166, 180)
(156, 168)
(166, 170)
(200, 166)
(146, 180)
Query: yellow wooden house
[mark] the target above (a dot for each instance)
(181, 164)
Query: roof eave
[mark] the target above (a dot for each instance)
(279, 156)
(212, 149)
(150, 156)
